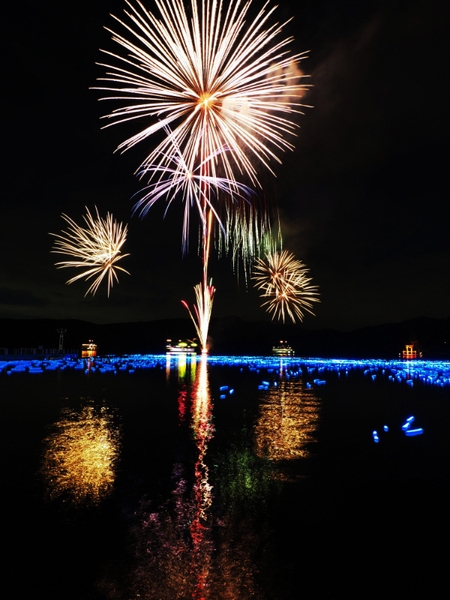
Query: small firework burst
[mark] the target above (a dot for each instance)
(96, 249)
(284, 285)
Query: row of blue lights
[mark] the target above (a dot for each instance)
(427, 372)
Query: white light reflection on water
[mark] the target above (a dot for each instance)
(81, 455)
(201, 520)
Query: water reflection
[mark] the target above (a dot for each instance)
(201, 527)
(288, 419)
(186, 547)
(183, 367)
(81, 455)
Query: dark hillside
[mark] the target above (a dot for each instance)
(232, 335)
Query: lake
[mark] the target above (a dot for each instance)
(158, 477)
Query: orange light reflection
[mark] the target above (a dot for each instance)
(81, 454)
(288, 419)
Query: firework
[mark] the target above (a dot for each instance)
(223, 89)
(193, 184)
(96, 249)
(284, 285)
(219, 78)
(202, 311)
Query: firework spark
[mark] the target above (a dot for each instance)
(284, 285)
(202, 312)
(193, 185)
(217, 77)
(96, 249)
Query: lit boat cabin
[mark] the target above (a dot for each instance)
(411, 352)
(89, 350)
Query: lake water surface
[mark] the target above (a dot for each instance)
(154, 477)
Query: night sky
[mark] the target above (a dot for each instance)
(363, 198)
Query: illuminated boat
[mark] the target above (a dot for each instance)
(411, 352)
(283, 349)
(182, 347)
(89, 350)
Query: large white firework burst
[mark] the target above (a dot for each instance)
(284, 285)
(217, 75)
(96, 248)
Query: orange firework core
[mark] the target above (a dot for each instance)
(206, 100)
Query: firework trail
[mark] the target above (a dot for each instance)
(202, 311)
(96, 249)
(284, 286)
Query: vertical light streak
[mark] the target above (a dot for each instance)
(201, 313)
(203, 432)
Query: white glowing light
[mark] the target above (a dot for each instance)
(193, 184)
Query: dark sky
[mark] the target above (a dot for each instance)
(363, 198)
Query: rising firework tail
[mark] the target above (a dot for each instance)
(201, 313)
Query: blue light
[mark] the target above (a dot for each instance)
(435, 373)
(407, 423)
(411, 432)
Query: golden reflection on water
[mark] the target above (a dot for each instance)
(81, 454)
(288, 419)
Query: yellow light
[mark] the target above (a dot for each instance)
(206, 100)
